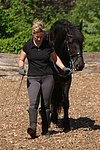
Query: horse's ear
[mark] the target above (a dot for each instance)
(80, 26)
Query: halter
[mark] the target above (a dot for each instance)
(77, 55)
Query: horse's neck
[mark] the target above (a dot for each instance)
(64, 56)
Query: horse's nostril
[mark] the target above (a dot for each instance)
(77, 67)
(81, 68)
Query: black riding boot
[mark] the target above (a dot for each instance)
(33, 120)
(45, 121)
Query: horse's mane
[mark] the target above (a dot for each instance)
(68, 27)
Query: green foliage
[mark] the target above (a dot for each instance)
(15, 44)
(16, 19)
(92, 43)
(89, 12)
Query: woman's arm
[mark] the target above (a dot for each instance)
(21, 59)
(59, 63)
(57, 60)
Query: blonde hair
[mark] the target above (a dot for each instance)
(38, 26)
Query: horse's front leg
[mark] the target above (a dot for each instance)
(57, 95)
(65, 103)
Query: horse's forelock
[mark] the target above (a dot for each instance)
(76, 33)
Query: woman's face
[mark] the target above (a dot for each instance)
(38, 37)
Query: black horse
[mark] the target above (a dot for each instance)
(67, 40)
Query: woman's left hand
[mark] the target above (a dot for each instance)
(67, 70)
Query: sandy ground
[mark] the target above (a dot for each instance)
(84, 110)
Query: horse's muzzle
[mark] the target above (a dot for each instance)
(79, 67)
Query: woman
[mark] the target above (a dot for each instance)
(40, 79)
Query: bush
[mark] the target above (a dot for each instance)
(16, 18)
(92, 43)
(15, 44)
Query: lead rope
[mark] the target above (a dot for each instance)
(71, 60)
(13, 106)
(63, 76)
(17, 95)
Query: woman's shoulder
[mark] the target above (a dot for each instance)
(27, 45)
(28, 42)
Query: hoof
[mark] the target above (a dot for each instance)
(66, 129)
(47, 134)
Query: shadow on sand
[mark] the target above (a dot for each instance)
(82, 122)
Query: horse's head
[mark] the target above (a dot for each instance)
(74, 42)
(68, 40)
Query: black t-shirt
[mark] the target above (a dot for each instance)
(38, 58)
